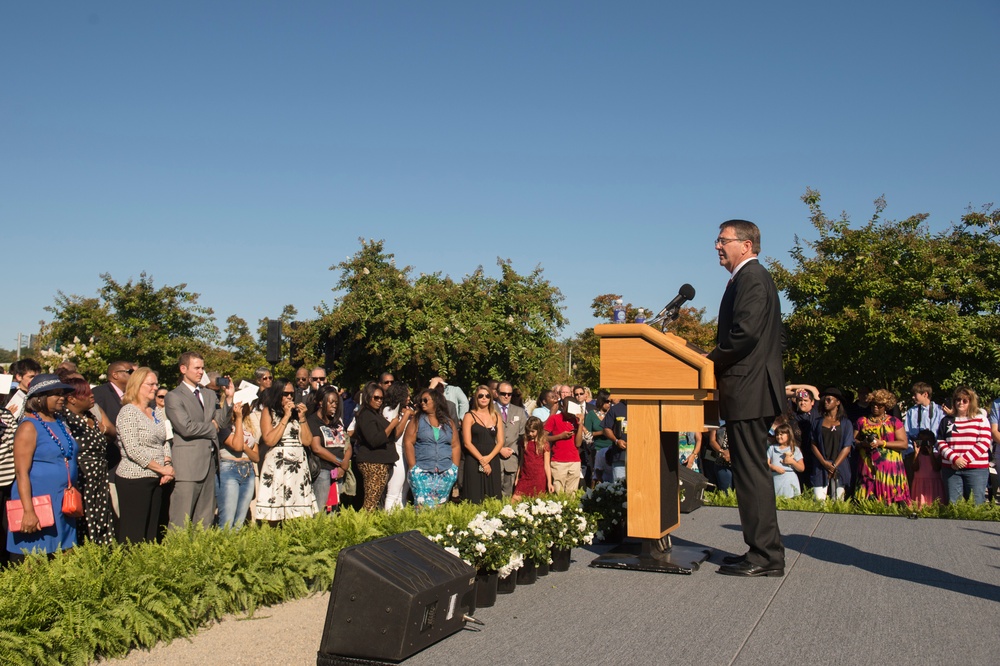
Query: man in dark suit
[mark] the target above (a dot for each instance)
(196, 423)
(751, 385)
(108, 397)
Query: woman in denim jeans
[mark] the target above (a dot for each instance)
(234, 486)
(964, 441)
(329, 442)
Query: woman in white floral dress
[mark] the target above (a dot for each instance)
(285, 488)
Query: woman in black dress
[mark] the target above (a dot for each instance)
(88, 431)
(482, 438)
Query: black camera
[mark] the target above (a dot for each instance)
(222, 382)
(867, 438)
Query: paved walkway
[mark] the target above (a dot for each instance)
(857, 589)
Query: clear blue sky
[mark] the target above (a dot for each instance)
(242, 147)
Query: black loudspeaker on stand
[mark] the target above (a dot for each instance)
(273, 341)
(393, 597)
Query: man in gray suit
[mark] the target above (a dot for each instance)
(196, 424)
(513, 418)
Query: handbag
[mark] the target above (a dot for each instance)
(314, 468)
(72, 504)
(43, 509)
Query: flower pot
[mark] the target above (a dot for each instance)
(486, 588)
(527, 574)
(507, 584)
(560, 559)
(542, 568)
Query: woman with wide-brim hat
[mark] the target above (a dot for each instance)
(44, 464)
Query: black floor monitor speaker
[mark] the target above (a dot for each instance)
(393, 597)
(692, 488)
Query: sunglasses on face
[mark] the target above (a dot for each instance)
(959, 401)
(505, 394)
(161, 396)
(579, 395)
(377, 398)
(426, 401)
(287, 394)
(318, 379)
(482, 395)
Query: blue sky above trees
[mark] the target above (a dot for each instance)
(242, 148)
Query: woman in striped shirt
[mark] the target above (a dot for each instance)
(964, 441)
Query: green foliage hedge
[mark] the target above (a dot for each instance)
(964, 510)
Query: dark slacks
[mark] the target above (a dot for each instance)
(755, 491)
(139, 501)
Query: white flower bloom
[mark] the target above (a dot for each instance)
(366, 271)
(453, 551)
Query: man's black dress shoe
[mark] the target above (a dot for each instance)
(734, 559)
(750, 570)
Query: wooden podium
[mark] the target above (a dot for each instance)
(670, 388)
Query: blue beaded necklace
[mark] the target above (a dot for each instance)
(62, 426)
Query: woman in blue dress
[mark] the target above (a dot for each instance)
(44, 461)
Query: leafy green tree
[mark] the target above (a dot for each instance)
(890, 303)
(133, 321)
(468, 331)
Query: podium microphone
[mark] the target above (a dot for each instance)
(670, 310)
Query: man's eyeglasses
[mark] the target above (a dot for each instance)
(127, 372)
(579, 394)
(266, 379)
(318, 379)
(505, 394)
(161, 397)
(723, 241)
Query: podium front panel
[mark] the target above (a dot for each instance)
(653, 503)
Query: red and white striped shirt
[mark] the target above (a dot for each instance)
(968, 438)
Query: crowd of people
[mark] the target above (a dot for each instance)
(873, 447)
(145, 457)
